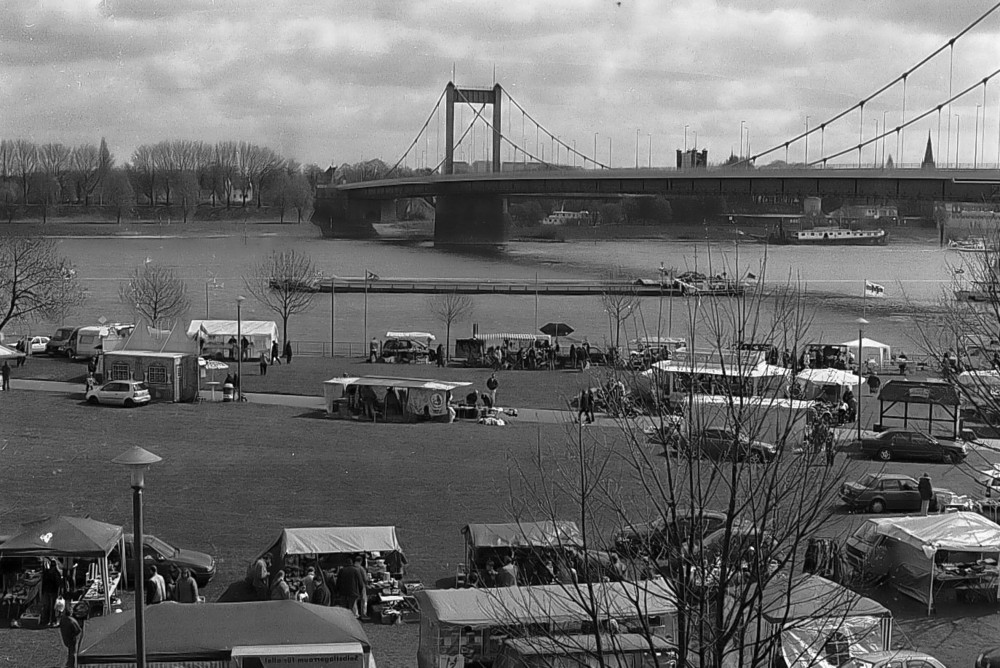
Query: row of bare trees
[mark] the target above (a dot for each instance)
(52, 172)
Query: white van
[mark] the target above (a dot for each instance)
(87, 342)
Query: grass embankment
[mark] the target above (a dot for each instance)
(532, 389)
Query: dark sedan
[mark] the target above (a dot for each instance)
(911, 445)
(722, 444)
(165, 556)
(879, 492)
(654, 539)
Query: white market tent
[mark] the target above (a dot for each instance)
(216, 334)
(926, 536)
(823, 383)
(870, 350)
(335, 540)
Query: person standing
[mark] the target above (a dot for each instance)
(70, 630)
(288, 352)
(244, 348)
(263, 364)
(590, 405)
(258, 576)
(874, 382)
(584, 406)
(440, 355)
(52, 581)
(492, 384)
(309, 582)
(5, 375)
(156, 587)
(926, 493)
(352, 583)
(507, 576)
(275, 354)
(279, 588)
(321, 593)
(187, 588)
(373, 350)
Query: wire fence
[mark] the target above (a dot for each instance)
(323, 348)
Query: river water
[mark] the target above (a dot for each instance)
(915, 276)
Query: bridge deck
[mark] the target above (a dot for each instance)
(501, 286)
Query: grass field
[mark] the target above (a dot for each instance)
(234, 474)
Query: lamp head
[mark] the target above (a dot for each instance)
(241, 299)
(861, 322)
(137, 461)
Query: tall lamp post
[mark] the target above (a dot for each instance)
(239, 347)
(137, 461)
(861, 322)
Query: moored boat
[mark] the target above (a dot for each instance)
(969, 245)
(831, 235)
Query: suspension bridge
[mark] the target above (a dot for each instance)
(470, 175)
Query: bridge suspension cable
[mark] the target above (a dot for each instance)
(555, 138)
(416, 139)
(899, 128)
(860, 105)
(490, 126)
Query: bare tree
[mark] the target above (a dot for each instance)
(25, 163)
(300, 195)
(284, 282)
(656, 481)
(35, 281)
(145, 166)
(188, 192)
(449, 308)
(116, 189)
(86, 165)
(619, 300)
(155, 295)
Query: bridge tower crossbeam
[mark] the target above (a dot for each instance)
(491, 96)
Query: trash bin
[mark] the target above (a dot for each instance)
(227, 392)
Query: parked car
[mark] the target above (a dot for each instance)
(37, 344)
(894, 658)
(164, 555)
(749, 548)
(56, 345)
(879, 492)
(657, 538)
(989, 659)
(721, 443)
(909, 444)
(128, 393)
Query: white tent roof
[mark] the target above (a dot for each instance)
(229, 328)
(961, 532)
(410, 335)
(829, 377)
(336, 540)
(865, 343)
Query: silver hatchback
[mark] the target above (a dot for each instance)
(126, 393)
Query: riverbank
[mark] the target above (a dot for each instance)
(163, 229)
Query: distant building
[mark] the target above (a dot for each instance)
(865, 216)
(961, 220)
(692, 159)
(563, 217)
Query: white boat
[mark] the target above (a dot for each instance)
(832, 235)
(969, 245)
(563, 217)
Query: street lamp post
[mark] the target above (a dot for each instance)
(595, 150)
(861, 322)
(137, 461)
(637, 148)
(975, 141)
(742, 123)
(239, 347)
(649, 163)
(685, 138)
(958, 137)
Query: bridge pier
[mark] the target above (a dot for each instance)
(470, 219)
(342, 217)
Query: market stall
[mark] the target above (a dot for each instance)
(231, 635)
(218, 338)
(880, 354)
(330, 548)
(474, 623)
(945, 557)
(620, 650)
(809, 614)
(82, 544)
(827, 385)
(931, 406)
(476, 350)
(389, 399)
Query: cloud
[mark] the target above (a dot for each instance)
(357, 78)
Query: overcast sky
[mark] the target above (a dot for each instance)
(343, 80)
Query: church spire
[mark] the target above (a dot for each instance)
(928, 161)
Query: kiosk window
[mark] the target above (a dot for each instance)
(156, 375)
(120, 371)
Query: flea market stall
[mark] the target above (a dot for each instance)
(219, 338)
(928, 405)
(486, 542)
(167, 376)
(945, 557)
(826, 385)
(329, 548)
(389, 399)
(744, 373)
(82, 545)
(476, 350)
(879, 354)
(808, 615)
(231, 635)
(474, 623)
(618, 650)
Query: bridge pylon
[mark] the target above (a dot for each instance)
(490, 96)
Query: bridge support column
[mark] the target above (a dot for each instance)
(343, 217)
(469, 219)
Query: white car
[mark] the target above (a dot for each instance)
(128, 393)
(38, 344)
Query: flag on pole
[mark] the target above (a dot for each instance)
(874, 289)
